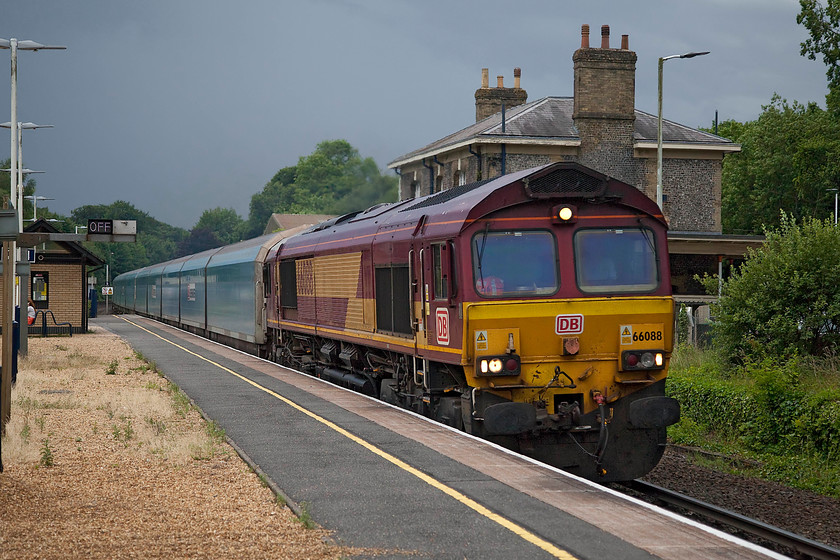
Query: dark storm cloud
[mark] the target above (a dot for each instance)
(182, 106)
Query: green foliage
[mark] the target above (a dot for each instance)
(334, 179)
(766, 410)
(784, 300)
(215, 228)
(823, 25)
(156, 241)
(787, 161)
(47, 458)
(112, 368)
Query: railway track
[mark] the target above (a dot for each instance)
(801, 546)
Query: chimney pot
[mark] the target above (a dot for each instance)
(584, 36)
(517, 74)
(625, 42)
(605, 36)
(485, 78)
(500, 81)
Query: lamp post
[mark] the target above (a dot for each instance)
(834, 190)
(35, 200)
(10, 247)
(16, 195)
(659, 123)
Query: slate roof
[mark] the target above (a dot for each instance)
(549, 121)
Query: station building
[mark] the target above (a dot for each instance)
(599, 127)
(57, 283)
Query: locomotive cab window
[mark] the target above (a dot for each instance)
(616, 260)
(514, 263)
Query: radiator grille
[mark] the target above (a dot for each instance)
(566, 183)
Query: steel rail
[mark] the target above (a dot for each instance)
(799, 544)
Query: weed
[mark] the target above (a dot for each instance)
(158, 425)
(305, 518)
(123, 433)
(263, 480)
(216, 432)
(47, 459)
(25, 432)
(112, 368)
(180, 400)
(151, 385)
(41, 420)
(61, 347)
(280, 500)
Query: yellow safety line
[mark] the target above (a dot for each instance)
(472, 504)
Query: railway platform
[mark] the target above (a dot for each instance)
(382, 478)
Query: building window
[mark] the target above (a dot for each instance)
(40, 289)
(462, 178)
(415, 189)
(438, 183)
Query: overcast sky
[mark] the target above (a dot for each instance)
(179, 106)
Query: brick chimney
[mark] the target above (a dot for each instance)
(488, 101)
(605, 79)
(604, 105)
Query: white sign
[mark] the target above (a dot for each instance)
(568, 324)
(107, 290)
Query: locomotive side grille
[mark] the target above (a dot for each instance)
(567, 182)
(446, 196)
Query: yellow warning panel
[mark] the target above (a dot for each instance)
(645, 335)
(496, 341)
(480, 341)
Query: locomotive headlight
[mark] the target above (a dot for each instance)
(647, 360)
(564, 214)
(508, 364)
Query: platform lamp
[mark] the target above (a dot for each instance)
(659, 123)
(17, 200)
(10, 247)
(35, 200)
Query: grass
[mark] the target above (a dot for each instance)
(784, 463)
(305, 517)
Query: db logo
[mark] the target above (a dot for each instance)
(442, 321)
(568, 324)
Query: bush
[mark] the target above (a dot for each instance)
(784, 301)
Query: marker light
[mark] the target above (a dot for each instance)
(642, 359)
(507, 364)
(565, 214)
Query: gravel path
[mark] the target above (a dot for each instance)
(102, 462)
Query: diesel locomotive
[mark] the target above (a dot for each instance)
(533, 310)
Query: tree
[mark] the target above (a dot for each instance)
(789, 157)
(334, 179)
(156, 241)
(823, 24)
(224, 222)
(785, 299)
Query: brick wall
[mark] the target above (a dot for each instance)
(64, 293)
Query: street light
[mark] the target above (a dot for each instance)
(835, 203)
(10, 247)
(17, 199)
(659, 124)
(35, 200)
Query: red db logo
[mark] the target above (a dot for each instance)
(442, 317)
(568, 324)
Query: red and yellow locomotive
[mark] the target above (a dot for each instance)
(533, 310)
